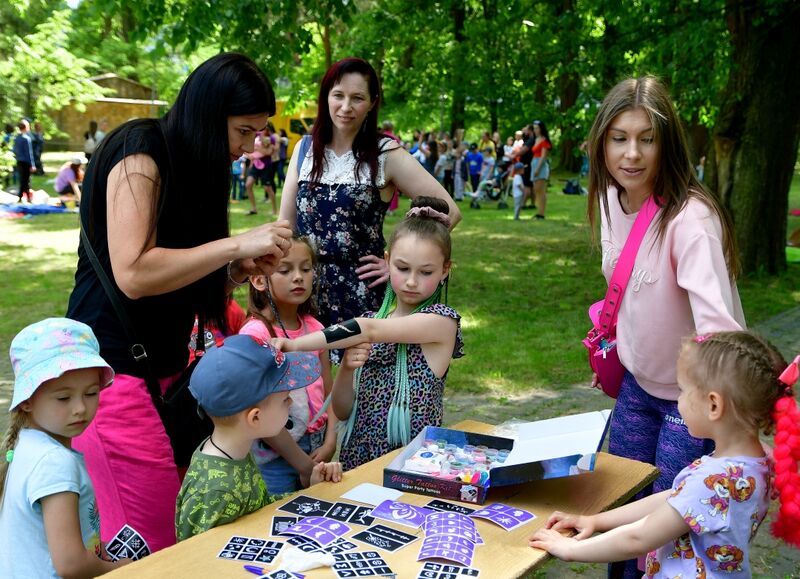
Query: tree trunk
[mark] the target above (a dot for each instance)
(457, 113)
(569, 87)
(756, 137)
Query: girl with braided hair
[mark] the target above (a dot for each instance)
(391, 382)
(733, 386)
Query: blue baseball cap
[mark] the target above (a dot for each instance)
(244, 371)
(48, 349)
(518, 166)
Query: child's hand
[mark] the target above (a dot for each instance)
(554, 543)
(584, 525)
(282, 344)
(326, 471)
(356, 356)
(325, 452)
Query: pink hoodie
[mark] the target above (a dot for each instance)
(677, 287)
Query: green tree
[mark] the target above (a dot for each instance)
(40, 73)
(756, 135)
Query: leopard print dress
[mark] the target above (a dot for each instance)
(368, 439)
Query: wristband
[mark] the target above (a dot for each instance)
(341, 331)
(233, 281)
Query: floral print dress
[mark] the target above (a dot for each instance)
(368, 439)
(343, 216)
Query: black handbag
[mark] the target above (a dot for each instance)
(185, 423)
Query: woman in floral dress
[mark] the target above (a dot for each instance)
(338, 187)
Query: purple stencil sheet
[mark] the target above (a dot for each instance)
(453, 524)
(402, 513)
(320, 529)
(450, 536)
(448, 547)
(507, 517)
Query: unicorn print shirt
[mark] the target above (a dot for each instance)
(723, 500)
(679, 285)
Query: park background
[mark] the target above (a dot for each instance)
(523, 287)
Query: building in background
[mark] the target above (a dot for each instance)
(125, 99)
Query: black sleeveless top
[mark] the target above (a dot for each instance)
(163, 323)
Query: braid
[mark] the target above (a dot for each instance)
(18, 421)
(746, 368)
(786, 455)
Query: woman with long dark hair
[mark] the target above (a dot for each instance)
(338, 191)
(155, 209)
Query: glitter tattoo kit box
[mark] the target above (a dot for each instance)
(462, 466)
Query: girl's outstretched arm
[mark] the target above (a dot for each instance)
(343, 393)
(587, 525)
(411, 329)
(62, 527)
(626, 542)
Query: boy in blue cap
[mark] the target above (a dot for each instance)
(244, 387)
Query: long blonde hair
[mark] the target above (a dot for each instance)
(676, 181)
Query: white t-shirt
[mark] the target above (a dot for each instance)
(41, 467)
(518, 187)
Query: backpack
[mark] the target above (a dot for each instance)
(572, 187)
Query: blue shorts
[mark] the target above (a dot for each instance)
(544, 172)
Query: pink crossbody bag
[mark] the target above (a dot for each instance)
(601, 340)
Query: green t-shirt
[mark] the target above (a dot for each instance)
(216, 491)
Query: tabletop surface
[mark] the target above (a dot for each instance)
(611, 484)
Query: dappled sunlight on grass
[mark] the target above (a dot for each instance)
(470, 322)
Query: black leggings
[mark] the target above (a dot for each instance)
(24, 170)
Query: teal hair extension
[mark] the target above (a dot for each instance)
(398, 425)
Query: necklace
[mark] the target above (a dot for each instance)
(211, 440)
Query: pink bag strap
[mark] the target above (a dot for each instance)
(624, 267)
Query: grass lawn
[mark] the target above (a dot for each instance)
(522, 287)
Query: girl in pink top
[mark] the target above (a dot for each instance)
(683, 280)
(282, 305)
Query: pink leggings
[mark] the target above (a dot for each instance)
(131, 465)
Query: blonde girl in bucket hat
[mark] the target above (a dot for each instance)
(49, 524)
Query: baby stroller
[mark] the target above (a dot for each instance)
(494, 189)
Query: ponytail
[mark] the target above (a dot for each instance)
(18, 419)
(786, 455)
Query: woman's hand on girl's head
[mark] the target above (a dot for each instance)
(374, 267)
(356, 356)
(265, 243)
(326, 471)
(554, 543)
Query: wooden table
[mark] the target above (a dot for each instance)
(504, 555)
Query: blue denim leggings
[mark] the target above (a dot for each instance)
(651, 430)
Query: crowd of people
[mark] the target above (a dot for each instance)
(156, 263)
(484, 169)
